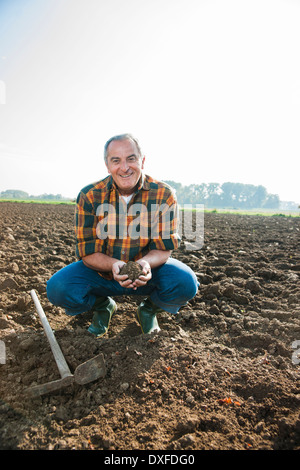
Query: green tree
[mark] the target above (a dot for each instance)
(14, 194)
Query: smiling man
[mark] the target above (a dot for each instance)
(125, 163)
(127, 216)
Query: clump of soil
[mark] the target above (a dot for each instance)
(223, 374)
(133, 269)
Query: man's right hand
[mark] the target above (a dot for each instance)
(121, 279)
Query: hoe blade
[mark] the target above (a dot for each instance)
(90, 370)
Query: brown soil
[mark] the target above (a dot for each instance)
(132, 269)
(222, 374)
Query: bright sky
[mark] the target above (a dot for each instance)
(211, 88)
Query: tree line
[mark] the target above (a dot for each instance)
(212, 195)
(227, 195)
(18, 194)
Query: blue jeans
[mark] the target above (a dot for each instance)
(76, 287)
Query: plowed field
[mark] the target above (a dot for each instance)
(222, 374)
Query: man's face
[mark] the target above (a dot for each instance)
(124, 164)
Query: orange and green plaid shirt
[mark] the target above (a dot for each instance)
(106, 224)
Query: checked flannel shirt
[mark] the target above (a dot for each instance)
(106, 224)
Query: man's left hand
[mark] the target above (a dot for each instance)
(146, 276)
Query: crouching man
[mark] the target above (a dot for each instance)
(127, 216)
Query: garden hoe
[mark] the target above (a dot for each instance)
(86, 372)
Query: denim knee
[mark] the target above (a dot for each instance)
(176, 284)
(55, 291)
(188, 284)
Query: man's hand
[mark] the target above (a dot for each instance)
(104, 263)
(128, 283)
(121, 279)
(146, 276)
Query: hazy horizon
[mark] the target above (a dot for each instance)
(74, 196)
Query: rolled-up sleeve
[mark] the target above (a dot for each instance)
(165, 226)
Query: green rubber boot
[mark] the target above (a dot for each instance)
(103, 310)
(146, 316)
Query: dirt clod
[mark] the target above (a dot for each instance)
(132, 269)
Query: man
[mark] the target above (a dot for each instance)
(126, 216)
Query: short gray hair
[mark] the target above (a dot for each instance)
(121, 137)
